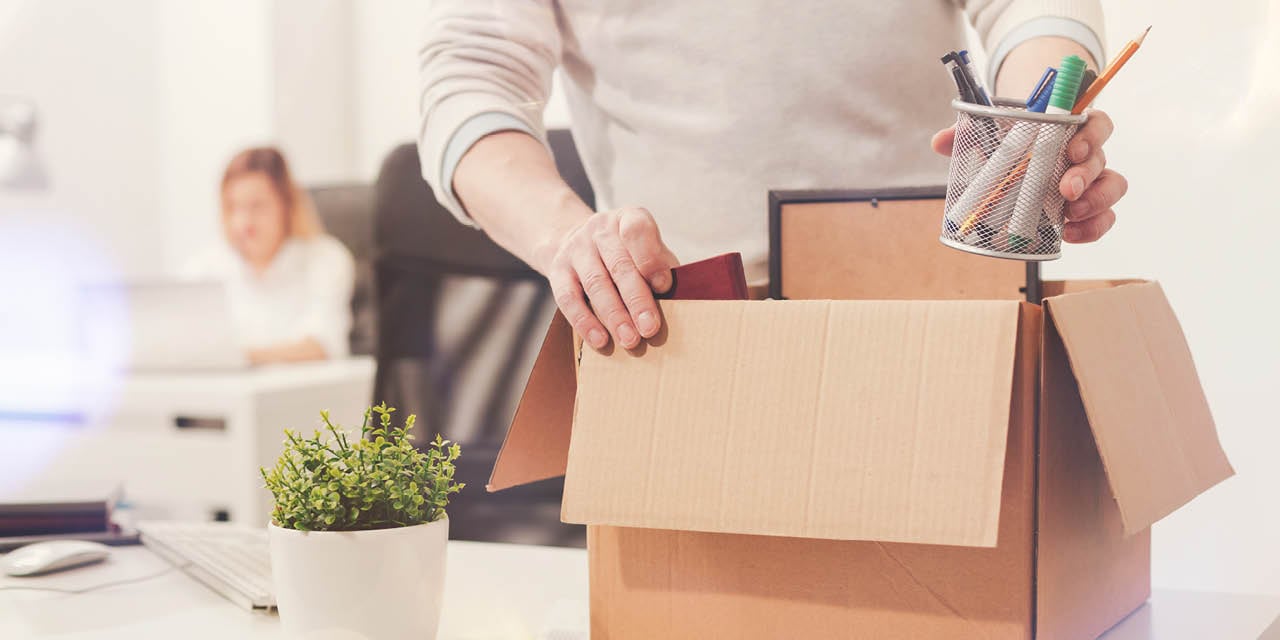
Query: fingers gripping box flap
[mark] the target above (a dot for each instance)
(537, 443)
(1143, 399)
(882, 420)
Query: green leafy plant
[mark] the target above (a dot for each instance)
(325, 483)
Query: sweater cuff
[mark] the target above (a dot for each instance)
(1068, 28)
(442, 138)
(471, 131)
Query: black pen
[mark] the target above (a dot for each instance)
(963, 86)
(1089, 76)
(970, 72)
(965, 92)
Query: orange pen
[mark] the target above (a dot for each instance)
(1127, 52)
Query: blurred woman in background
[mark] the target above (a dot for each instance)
(289, 283)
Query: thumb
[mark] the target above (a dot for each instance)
(670, 258)
(664, 281)
(944, 140)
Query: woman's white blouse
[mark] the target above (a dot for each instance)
(304, 293)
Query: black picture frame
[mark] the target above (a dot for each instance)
(779, 198)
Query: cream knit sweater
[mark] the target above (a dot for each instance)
(695, 109)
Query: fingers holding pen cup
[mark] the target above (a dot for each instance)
(1090, 188)
(1048, 151)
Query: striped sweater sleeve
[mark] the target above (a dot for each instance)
(483, 66)
(1004, 24)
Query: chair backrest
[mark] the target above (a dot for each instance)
(459, 316)
(347, 213)
(460, 321)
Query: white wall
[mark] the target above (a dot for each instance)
(387, 38)
(237, 73)
(313, 110)
(216, 75)
(386, 78)
(1196, 135)
(95, 133)
(96, 120)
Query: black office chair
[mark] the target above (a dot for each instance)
(460, 321)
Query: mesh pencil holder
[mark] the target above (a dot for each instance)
(1003, 199)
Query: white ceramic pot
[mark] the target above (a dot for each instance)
(370, 585)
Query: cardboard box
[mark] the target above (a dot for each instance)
(875, 468)
(837, 469)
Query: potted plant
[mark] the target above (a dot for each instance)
(358, 530)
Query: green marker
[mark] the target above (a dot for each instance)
(1066, 85)
(1025, 222)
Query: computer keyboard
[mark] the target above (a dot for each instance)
(231, 559)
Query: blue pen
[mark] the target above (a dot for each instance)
(1039, 100)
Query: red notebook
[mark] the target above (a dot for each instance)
(718, 278)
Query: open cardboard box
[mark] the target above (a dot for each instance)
(873, 468)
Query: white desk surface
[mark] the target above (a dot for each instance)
(267, 377)
(496, 591)
(492, 591)
(65, 386)
(107, 429)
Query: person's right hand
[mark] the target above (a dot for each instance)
(604, 273)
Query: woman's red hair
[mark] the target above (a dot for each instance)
(300, 215)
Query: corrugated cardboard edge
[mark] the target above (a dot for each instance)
(1089, 574)
(1055, 288)
(537, 444)
(1143, 398)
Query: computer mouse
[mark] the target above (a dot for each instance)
(55, 555)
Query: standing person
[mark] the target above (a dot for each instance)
(693, 110)
(289, 283)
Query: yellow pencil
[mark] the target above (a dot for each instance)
(1107, 74)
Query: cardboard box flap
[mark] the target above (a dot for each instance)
(1143, 399)
(537, 444)
(871, 420)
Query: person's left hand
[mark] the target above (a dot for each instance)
(1091, 189)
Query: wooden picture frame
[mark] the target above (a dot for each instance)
(880, 244)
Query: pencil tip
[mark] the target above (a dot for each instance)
(1144, 34)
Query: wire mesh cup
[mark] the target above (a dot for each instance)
(1003, 198)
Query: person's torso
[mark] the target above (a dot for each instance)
(268, 308)
(695, 110)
